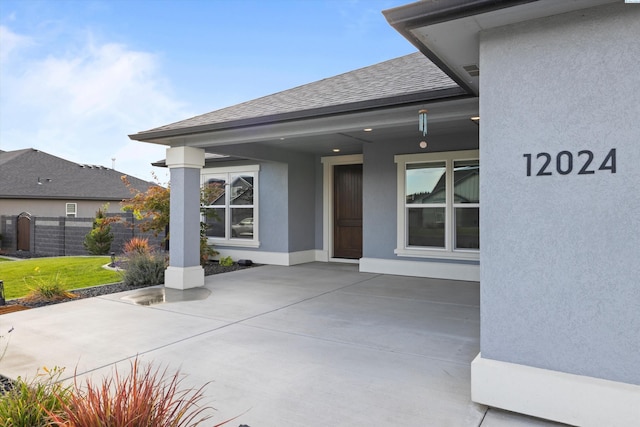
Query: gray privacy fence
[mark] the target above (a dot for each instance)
(61, 236)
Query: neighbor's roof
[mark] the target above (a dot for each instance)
(21, 171)
(408, 79)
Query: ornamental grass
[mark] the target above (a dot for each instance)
(141, 398)
(29, 403)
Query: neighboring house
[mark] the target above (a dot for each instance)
(340, 173)
(47, 203)
(40, 184)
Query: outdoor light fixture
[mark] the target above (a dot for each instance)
(422, 121)
(367, 129)
(336, 150)
(476, 120)
(113, 259)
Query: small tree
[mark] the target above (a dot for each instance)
(98, 240)
(152, 205)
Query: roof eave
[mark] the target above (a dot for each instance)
(423, 13)
(355, 107)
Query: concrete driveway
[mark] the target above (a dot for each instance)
(311, 345)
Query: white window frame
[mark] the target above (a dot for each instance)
(448, 252)
(70, 214)
(229, 171)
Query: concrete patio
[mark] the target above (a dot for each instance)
(310, 345)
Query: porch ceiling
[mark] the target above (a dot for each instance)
(321, 136)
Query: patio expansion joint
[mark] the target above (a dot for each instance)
(430, 301)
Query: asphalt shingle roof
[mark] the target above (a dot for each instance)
(369, 86)
(20, 171)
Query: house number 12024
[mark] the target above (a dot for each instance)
(565, 163)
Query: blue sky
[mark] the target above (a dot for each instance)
(76, 77)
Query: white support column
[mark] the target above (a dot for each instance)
(184, 269)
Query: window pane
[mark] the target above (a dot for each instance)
(242, 223)
(466, 177)
(214, 192)
(467, 228)
(214, 218)
(242, 189)
(426, 183)
(426, 227)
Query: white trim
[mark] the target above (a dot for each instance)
(271, 258)
(184, 277)
(322, 255)
(241, 243)
(327, 196)
(185, 157)
(431, 269)
(345, 260)
(230, 170)
(302, 257)
(553, 395)
(70, 214)
(448, 252)
(438, 253)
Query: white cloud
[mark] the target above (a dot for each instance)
(11, 41)
(81, 105)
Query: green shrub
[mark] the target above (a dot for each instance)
(144, 269)
(30, 403)
(226, 261)
(98, 240)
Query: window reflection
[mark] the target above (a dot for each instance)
(426, 183)
(228, 206)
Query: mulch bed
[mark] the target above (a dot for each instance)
(4, 309)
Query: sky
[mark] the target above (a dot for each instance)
(78, 76)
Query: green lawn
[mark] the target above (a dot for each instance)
(70, 272)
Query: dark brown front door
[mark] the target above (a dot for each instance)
(24, 233)
(347, 211)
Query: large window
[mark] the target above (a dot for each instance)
(439, 205)
(231, 211)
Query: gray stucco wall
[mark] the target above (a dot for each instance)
(273, 212)
(380, 188)
(302, 218)
(184, 247)
(560, 253)
(287, 202)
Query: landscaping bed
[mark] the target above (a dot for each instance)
(21, 304)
